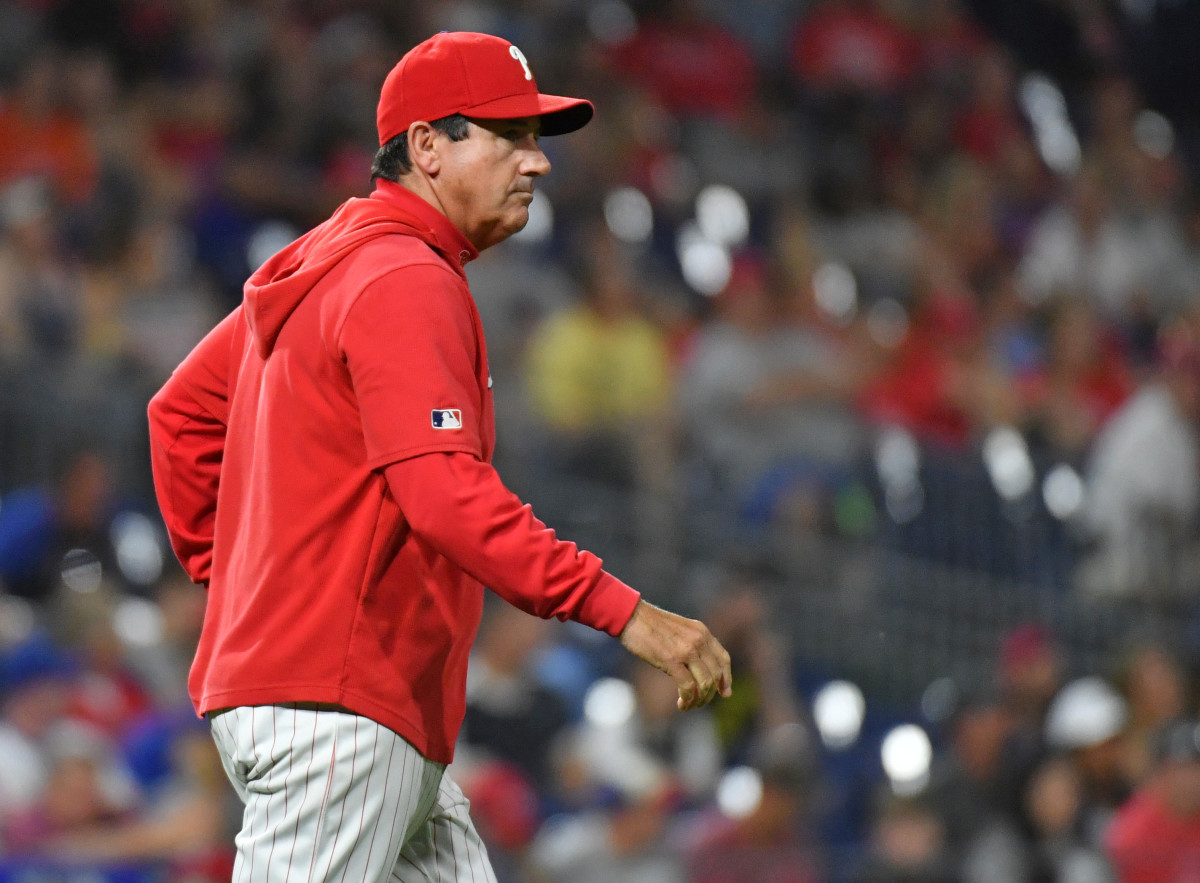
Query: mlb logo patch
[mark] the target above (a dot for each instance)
(446, 418)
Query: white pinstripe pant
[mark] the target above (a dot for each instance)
(333, 796)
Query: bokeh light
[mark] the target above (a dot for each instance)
(706, 265)
(907, 755)
(1006, 457)
(838, 711)
(722, 215)
(740, 791)
(1063, 491)
(81, 571)
(609, 702)
(138, 622)
(629, 215)
(139, 552)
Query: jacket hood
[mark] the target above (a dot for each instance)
(276, 288)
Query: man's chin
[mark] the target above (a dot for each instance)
(511, 224)
(515, 223)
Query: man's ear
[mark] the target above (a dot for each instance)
(423, 148)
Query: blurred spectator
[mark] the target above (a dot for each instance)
(1112, 106)
(1029, 673)
(941, 384)
(40, 132)
(600, 381)
(1086, 245)
(622, 782)
(1157, 691)
(853, 46)
(1144, 484)
(106, 695)
(765, 403)
(43, 535)
(655, 756)
(1155, 837)
(1086, 721)
(162, 665)
(948, 41)
(969, 789)
(761, 151)
(39, 291)
(1024, 190)
(188, 828)
(511, 716)
(1180, 285)
(766, 709)
(618, 844)
(770, 839)
(688, 62)
(880, 244)
(35, 681)
(1014, 342)
(686, 745)
(958, 213)
(1080, 384)
(989, 123)
(1060, 851)
(617, 804)
(516, 294)
(71, 801)
(145, 305)
(907, 844)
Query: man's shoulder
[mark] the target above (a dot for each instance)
(391, 272)
(397, 251)
(389, 262)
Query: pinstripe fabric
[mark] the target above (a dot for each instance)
(448, 847)
(332, 796)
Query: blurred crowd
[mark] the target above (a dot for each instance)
(910, 276)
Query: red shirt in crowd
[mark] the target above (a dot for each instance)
(928, 384)
(852, 47)
(1150, 844)
(692, 67)
(56, 145)
(322, 461)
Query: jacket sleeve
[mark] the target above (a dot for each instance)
(188, 417)
(458, 504)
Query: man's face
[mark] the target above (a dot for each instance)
(486, 180)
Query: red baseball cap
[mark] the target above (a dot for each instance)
(476, 75)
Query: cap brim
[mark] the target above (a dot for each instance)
(558, 113)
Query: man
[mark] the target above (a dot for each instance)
(322, 463)
(1143, 484)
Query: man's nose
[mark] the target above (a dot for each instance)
(536, 163)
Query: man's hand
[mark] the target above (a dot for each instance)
(683, 648)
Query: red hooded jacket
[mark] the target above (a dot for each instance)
(322, 462)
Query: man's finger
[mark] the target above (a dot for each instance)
(708, 666)
(685, 682)
(724, 670)
(717, 660)
(706, 681)
(726, 685)
(716, 669)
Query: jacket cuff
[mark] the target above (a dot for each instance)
(609, 605)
